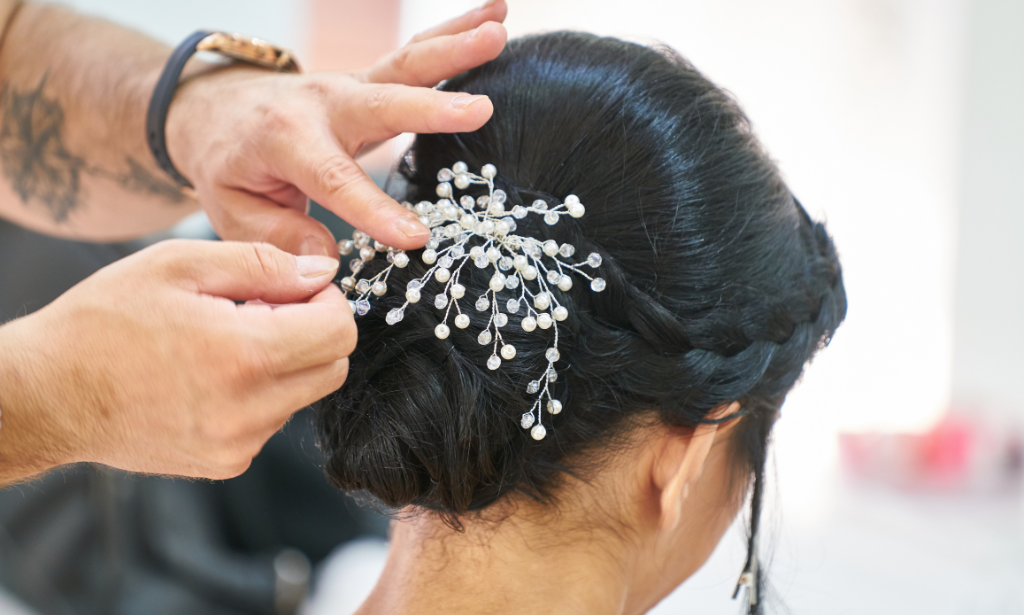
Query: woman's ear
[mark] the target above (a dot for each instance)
(682, 462)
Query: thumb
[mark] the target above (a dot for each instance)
(245, 271)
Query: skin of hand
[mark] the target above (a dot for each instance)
(150, 365)
(255, 144)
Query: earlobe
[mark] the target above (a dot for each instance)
(686, 465)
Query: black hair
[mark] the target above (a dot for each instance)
(720, 287)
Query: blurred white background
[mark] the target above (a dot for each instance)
(900, 122)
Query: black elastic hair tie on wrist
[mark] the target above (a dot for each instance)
(160, 103)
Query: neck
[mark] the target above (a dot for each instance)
(508, 567)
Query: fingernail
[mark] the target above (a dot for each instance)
(412, 228)
(312, 266)
(461, 102)
(313, 247)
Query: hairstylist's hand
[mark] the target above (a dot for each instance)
(255, 144)
(151, 366)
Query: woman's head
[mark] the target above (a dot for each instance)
(719, 288)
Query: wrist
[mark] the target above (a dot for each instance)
(32, 438)
(193, 120)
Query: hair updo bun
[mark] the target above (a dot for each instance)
(719, 286)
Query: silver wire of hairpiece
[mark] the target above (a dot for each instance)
(518, 262)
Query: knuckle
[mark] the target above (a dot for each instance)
(334, 175)
(277, 118)
(318, 87)
(380, 99)
(402, 59)
(264, 261)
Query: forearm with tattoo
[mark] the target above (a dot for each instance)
(73, 157)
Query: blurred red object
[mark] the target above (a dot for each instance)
(961, 452)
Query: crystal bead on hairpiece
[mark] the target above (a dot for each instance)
(530, 269)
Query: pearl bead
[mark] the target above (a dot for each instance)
(550, 247)
(412, 296)
(462, 181)
(530, 273)
(442, 331)
(444, 190)
(429, 256)
(367, 253)
(352, 306)
(348, 284)
(496, 209)
(486, 227)
(554, 406)
(345, 247)
(497, 283)
(462, 321)
(560, 313)
(458, 291)
(529, 324)
(541, 301)
(379, 288)
(564, 283)
(571, 199)
(519, 262)
(442, 275)
(544, 320)
(508, 352)
(467, 222)
(538, 432)
(401, 260)
(577, 210)
(501, 229)
(493, 254)
(460, 167)
(489, 171)
(476, 252)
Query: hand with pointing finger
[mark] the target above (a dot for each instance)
(256, 144)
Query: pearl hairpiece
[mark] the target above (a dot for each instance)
(518, 262)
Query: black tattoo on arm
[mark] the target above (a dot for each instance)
(39, 166)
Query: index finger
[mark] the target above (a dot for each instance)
(493, 10)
